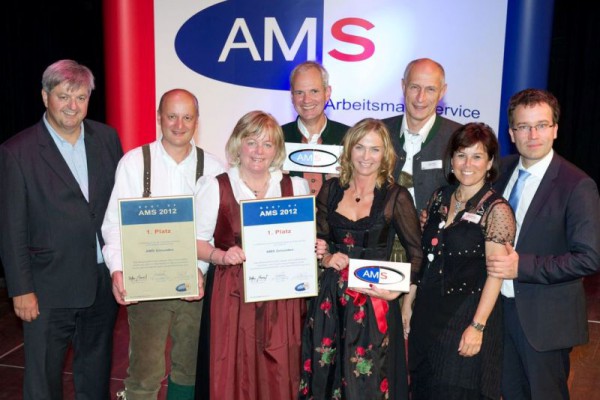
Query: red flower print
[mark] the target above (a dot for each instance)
(344, 274)
(360, 351)
(359, 316)
(434, 241)
(384, 385)
(305, 390)
(348, 240)
(326, 306)
(343, 301)
(326, 341)
(308, 365)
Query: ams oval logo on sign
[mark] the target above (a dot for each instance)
(313, 158)
(380, 275)
(258, 43)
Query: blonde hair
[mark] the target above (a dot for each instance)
(353, 136)
(254, 124)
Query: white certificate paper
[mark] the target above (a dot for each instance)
(278, 237)
(158, 247)
(302, 157)
(383, 274)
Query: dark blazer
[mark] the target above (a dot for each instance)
(48, 232)
(426, 181)
(558, 244)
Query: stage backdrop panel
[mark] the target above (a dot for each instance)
(236, 56)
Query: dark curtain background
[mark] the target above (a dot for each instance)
(35, 36)
(574, 79)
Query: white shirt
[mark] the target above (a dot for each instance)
(315, 138)
(532, 183)
(208, 198)
(167, 179)
(412, 145)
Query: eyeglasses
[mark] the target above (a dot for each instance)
(528, 128)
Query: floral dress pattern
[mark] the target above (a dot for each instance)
(352, 344)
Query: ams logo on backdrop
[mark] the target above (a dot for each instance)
(257, 44)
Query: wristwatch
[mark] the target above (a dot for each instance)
(478, 326)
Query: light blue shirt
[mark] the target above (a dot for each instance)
(537, 171)
(75, 157)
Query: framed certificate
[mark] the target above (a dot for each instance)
(158, 247)
(383, 274)
(278, 237)
(302, 157)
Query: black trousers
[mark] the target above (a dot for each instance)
(528, 373)
(89, 330)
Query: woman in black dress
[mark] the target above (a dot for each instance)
(455, 341)
(352, 343)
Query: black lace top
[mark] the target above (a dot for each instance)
(454, 255)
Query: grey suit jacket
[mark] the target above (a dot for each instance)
(558, 244)
(48, 232)
(426, 180)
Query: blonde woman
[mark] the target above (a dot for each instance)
(352, 344)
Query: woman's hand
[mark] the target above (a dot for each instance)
(470, 342)
(337, 261)
(383, 294)
(321, 248)
(234, 256)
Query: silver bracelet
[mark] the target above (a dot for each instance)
(478, 326)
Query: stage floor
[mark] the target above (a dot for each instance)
(585, 360)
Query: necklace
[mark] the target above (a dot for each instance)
(256, 191)
(458, 203)
(358, 197)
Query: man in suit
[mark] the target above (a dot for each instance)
(310, 89)
(420, 135)
(557, 209)
(56, 178)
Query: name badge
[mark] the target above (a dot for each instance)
(474, 218)
(433, 164)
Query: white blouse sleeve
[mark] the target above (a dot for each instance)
(207, 207)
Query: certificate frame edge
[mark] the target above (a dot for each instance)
(196, 289)
(314, 227)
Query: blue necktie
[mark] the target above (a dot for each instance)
(517, 190)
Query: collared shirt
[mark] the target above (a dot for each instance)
(532, 184)
(168, 178)
(315, 138)
(208, 198)
(412, 144)
(75, 157)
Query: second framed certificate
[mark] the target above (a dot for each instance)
(278, 237)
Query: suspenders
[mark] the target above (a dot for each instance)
(147, 164)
